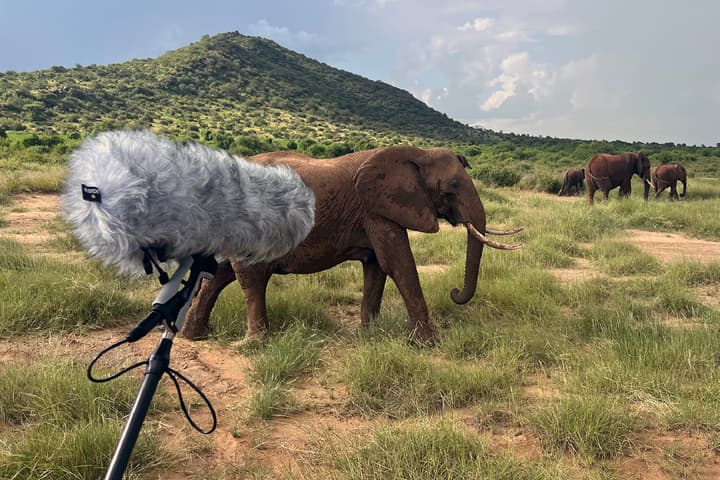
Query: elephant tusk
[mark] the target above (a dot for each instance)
(490, 243)
(492, 231)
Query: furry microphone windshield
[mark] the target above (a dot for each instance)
(131, 190)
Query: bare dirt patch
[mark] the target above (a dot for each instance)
(585, 270)
(28, 216)
(709, 295)
(668, 456)
(671, 247)
(33, 220)
(666, 247)
(433, 269)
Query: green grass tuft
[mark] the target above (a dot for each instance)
(57, 424)
(42, 294)
(430, 452)
(593, 426)
(392, 379)
(622, 258)
(58, 392)
(75, 452)
(286, 356)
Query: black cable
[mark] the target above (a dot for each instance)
(171, 373)
(116, 375)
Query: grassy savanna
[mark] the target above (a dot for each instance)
(584, 355)
(603, 374)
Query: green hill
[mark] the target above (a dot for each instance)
(229, 85)
(249, 95)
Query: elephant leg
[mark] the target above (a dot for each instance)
(673, 192)
(254, 281)
(591, 191)
(625, 189)
(392, 248)
(656, 186)
(661, 188)
(373, 287)
(198, 316)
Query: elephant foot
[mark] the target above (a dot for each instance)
(251, 342)
(424, 336)
(195, 330)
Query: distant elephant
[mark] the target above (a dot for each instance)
(605, 172)
(574, 177)
(668, 175)
(365, 202)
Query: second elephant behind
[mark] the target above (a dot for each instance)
(573, 178)
(365, 203)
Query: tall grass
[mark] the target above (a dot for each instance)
(390, 378)
(45, 180)
(284, 358)
(595, 427)
(38, 294)
(59, 393)
(428, 452)
(622, 258)
(56, 424)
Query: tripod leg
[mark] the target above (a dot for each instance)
(158, 363)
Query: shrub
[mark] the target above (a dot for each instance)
(496, 175)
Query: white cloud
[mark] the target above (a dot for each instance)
(430, 96)
(283, 35)
(496, 100)
(562, 30)
(480, 24)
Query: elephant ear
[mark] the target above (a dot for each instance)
(389, 184)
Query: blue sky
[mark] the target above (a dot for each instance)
(614, 69)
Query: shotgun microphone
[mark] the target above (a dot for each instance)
(130, 192)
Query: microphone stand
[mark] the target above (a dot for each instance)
(168, 309)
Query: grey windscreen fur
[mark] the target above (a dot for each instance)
(188, 198)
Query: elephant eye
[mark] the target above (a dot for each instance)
(454, 184)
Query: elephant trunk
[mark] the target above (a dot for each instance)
(684, 182)
(646, 184)
(475, 243)
(472, 267)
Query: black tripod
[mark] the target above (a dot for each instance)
(168, 311)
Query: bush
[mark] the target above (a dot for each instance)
(496, 175)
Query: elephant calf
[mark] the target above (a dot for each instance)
(573, 178)
(364, 204)
(668, 175)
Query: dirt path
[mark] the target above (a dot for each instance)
(29, 219)
(666, 247)
(671, 247)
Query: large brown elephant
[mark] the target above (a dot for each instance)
(668, 175)
(605, 172)
(365, 203)
(573, 177)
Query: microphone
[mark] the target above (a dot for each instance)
(130, 192)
